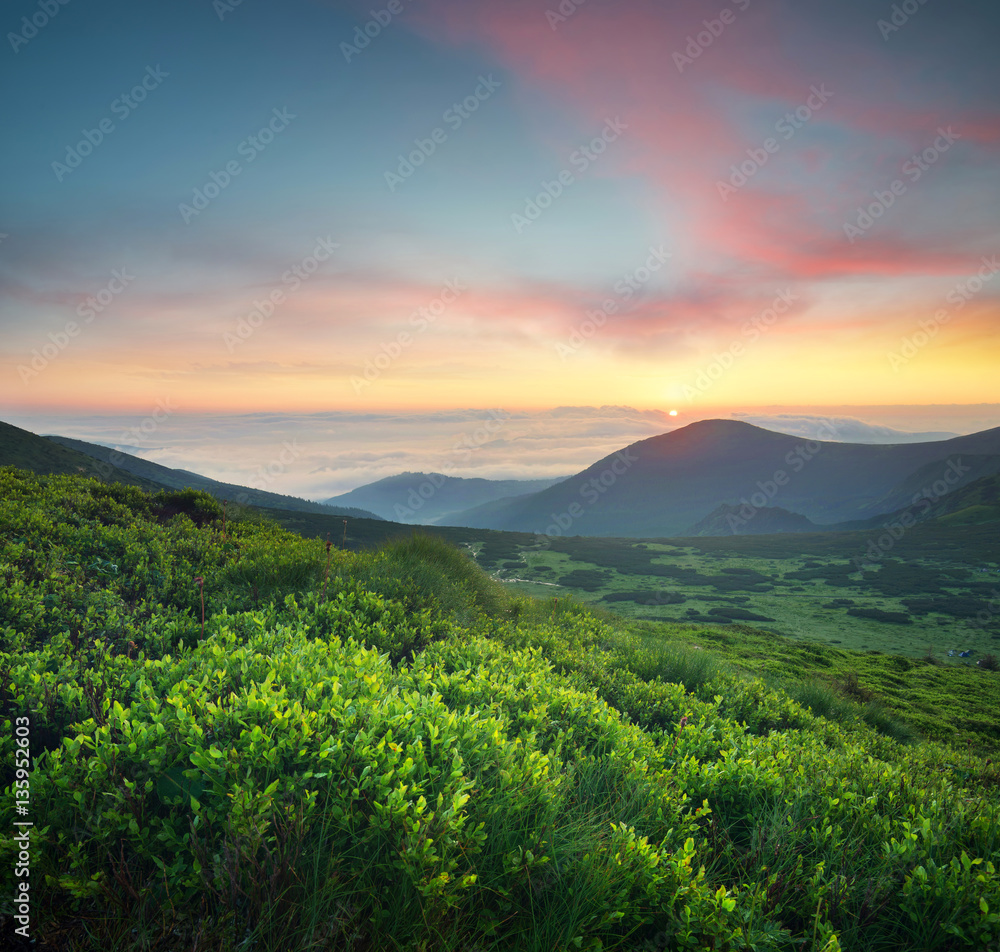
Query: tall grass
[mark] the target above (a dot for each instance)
(822, 700)
(659, 660)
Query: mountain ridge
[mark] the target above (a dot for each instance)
(664, 484)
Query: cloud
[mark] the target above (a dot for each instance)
(839, 429)
(690, 122)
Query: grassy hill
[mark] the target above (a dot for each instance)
(59, 454)
(237, 738)
(942, 596)
(976, 503)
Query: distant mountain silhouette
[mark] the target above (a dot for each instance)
(664, 485)
(748, 520)
(716, 477)
(430, 498)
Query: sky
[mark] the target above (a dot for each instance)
(321, 211)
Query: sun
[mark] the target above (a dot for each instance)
(673, 413)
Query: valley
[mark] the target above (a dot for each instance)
(924, 598)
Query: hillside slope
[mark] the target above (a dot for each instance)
(973, 503)
(183, 479)
(26, 450)
(265, 743)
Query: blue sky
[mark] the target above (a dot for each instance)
(890, 268)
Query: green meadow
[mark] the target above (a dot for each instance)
(916, 600)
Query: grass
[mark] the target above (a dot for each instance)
(921, 694)
(673, 664)
(823, 700)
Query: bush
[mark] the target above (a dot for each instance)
(878, 614)
(588, 580)
(389, 751)
(850, 686)
(875, 715)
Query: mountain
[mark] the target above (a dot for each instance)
(746, 520)
(60, 454)
(665, 484)
(430, 498)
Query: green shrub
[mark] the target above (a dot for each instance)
(387, 750)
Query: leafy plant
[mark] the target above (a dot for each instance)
(389, 750)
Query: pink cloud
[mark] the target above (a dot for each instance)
(683, 136)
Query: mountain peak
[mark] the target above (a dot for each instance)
(720, 426)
